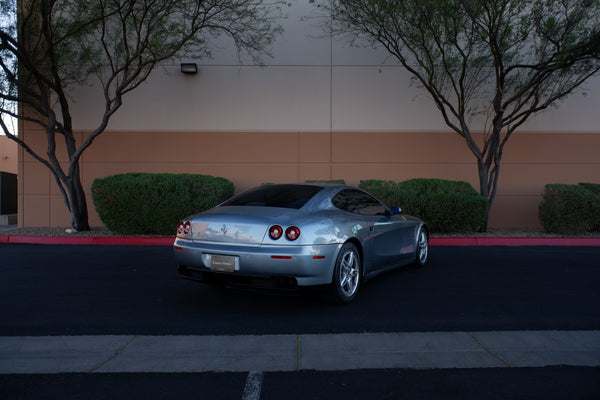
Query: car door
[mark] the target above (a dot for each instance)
(390, 237)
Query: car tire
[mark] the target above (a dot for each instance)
(346, 274)
(422, 248)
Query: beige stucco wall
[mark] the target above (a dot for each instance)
(8, 155)
(319, 109)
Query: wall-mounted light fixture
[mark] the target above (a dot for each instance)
(189, 68)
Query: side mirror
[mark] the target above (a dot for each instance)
(395, 210)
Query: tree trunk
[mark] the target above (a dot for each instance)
(77, 202)
(484, 190)
(489, 173)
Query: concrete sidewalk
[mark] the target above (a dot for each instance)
(7, 227)
(103, 354)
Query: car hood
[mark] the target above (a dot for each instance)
(245, 226)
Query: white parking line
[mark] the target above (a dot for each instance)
(253, 385)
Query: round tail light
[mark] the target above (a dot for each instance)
(184, 228)
(292, 233)
(275, 232)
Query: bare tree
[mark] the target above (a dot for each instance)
(57, 44)
(500, 61)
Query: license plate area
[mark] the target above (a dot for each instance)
(221, 263)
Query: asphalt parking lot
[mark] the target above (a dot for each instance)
(519, 321)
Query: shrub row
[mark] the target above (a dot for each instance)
(140, 203)
(570, 208)
(446, 206)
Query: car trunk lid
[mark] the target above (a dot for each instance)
(245, 226)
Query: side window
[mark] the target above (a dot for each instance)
(343, 200)
(358, 202)
(368, 205)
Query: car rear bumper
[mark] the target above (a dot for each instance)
(304, 265)
(238, 280)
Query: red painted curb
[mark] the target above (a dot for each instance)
(513, 241)
(64, 240)
(168, 241)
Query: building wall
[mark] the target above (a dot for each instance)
(319, 109)
(8, 155)
(251, 158)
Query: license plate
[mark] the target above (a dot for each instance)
(223, 263)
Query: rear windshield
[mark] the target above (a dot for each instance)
(284, 196)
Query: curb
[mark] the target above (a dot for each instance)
(513, 241)
(65, 240)
(168, 241)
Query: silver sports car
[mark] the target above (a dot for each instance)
(293, 236)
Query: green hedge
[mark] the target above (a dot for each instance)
(570, 208)
(140, 203)
(592, 187)
(446, 206)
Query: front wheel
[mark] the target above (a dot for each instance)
(422, 250)
(346, 274)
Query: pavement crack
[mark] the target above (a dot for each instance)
(489, 351)
(113, 356)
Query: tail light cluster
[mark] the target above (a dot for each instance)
(184, 228)
(292, 233)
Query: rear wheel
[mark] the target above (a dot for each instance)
(346, 275)
(422, 253)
